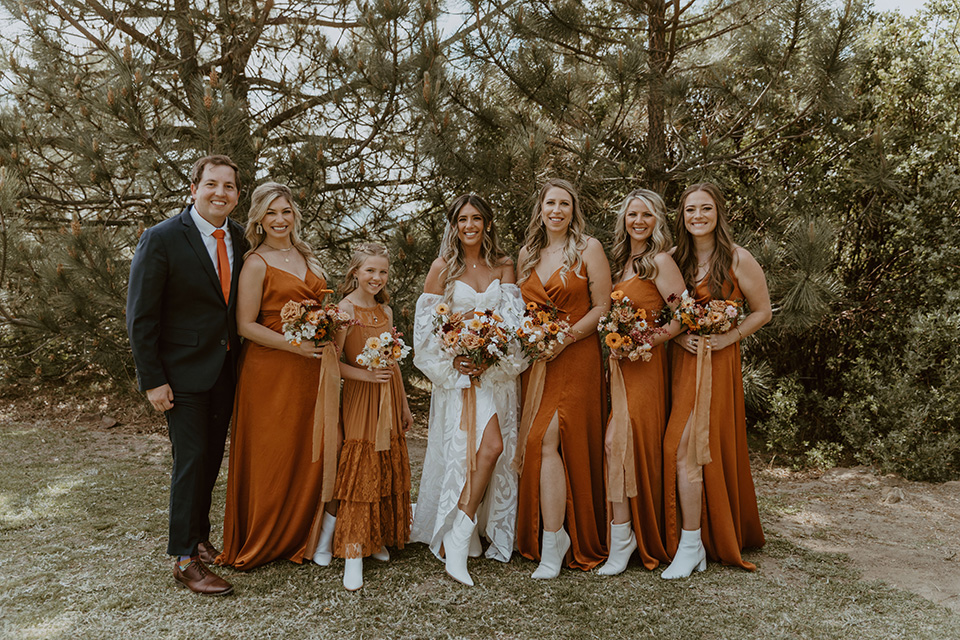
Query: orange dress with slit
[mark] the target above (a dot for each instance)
(647, 385)
(729, 520)
(575, 390)
(373, 487)
(273, 507)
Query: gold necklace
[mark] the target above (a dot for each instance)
(287, 250)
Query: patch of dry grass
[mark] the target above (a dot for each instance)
(82, 537)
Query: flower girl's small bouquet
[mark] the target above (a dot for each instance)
(628, 330)
(712, 317)
(482, 336)
(380, 352)
(541, 331)
(310, 320)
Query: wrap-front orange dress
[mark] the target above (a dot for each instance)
(273, 507)
(729, 520)
(647, 386)
(575, 390)
(373, 487)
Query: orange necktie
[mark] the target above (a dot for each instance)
(223, 263)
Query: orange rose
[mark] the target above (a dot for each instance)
(617, 295)
(532, 306)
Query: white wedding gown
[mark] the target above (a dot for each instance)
(444, 466)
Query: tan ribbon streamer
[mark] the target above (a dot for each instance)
(698, 448)
(531, 405)
(386, 417)
(326, 417)
(468, 423)
(622, 470)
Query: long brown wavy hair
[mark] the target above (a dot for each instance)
(451, 249)
(536, 238)
(685, 256)
(360, 255)
(643, 263)
(263, 196)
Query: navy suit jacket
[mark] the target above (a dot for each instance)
(177, 320)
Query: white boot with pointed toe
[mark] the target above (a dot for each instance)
(623, 543)
(690, 555)
(555, 547)
(456, 545)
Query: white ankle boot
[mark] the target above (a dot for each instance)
(555, 546)
(323, 555)
(623, 543)
(456, 544)
(353, 573)
(690, 555)
(382, 555)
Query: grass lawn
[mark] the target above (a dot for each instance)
(83, 532)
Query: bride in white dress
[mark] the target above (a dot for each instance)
(472, 273)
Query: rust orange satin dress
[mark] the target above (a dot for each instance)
(647, 385)
(373, 487)
(729, 521)
(274, 507)
(575, 390)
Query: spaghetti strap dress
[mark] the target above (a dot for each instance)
(647, 385)
(373, 487)
(730, 520)
(574, 389)
(273, 505)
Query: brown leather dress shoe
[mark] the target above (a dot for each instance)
(199, 579)
(207, 552)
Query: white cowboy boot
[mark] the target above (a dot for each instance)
(555, 547)
(382, 555)
(353, 573)
(690, 555)
(456, 544)
(323, 555)
(623, 543)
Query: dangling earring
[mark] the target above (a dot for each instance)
(355, 284)
(259, 229)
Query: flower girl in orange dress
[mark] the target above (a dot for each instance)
(373, 476)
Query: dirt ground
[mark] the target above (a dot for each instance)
(906, 534)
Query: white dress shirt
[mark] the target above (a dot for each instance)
(206, 233)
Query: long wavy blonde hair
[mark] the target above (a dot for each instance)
(263, 196)
(536, 238)
(643, 263)
(722, 259)
(451, 250)
(360, 255)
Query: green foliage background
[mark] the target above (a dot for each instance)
(833, 130)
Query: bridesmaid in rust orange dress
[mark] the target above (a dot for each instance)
(273, 484)
(373, 480)
(717, 501)
(560, 450)
(647, 276)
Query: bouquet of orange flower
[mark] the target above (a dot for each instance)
(310, 320)
(380, 352)
(541, 330)
(628, 330)
(704, 319)
(482, 336)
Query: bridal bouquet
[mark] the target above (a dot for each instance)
(310, 320)
(383, 351)
(481, 336)
(541, 331)
(628, 330)
(704, 319)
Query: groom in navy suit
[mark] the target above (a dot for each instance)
(181, 319)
